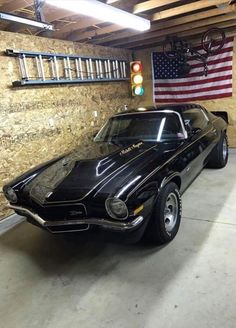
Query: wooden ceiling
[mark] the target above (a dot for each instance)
(185, 18)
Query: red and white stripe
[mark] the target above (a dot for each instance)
(196, 86)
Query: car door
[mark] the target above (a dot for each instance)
(199, 143)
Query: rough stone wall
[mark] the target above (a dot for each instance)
(225, 104)
(38, 123)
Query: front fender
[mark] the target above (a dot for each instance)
(19, 182)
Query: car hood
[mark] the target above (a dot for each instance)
(78, 174)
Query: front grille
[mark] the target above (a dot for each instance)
(57, 213)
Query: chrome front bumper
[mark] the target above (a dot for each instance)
(118, 226)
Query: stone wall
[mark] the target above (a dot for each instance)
(38, 123)
(225, 104)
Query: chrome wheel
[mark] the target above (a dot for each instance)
(171, 212)
(225, 149)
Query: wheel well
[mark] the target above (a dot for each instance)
(177, 181)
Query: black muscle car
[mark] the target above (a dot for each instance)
(130, 179)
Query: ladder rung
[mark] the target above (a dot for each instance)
(106, 69)
(23, 67)
(81, 69)
(97, 69)
(53, 68)
(91, 69)
(77, 68)
(88, 69)
(100, 69)
(41, 67)
(56, 67)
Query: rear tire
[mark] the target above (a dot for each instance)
(219, 156)
(166, 216)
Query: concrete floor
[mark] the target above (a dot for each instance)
(49, 281)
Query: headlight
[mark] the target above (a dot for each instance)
(116, 208)
(10, 195)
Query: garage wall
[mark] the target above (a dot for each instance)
(225, 104)
(38, 123)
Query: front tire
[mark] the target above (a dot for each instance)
(219, 156)
(213, 40)
(166, 216)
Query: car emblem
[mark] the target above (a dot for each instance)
(134, 146)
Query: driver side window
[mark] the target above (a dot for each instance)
(195, 119)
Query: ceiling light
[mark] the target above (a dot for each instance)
(103, 12)
(25, 21)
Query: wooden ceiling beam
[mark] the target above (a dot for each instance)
(111, 40)
(74, 28)
(16, 5)
(75, 36)
(203, 29)
(190, 7)
(230, 31)
(52, 13)
(151, 4)
(178, 29)
(183, 34)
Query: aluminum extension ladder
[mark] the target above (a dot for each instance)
(46, 68)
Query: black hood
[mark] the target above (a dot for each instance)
(79, 173)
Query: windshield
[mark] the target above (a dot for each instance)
(146, 126)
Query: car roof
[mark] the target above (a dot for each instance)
(174, 107)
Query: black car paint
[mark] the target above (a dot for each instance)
(76, 186)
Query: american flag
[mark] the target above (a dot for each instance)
(169, 86)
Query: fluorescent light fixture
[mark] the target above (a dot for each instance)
(103, 12)
(25, 21)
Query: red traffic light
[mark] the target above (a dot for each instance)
(136, 67)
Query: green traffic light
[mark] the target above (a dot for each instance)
(138, 90)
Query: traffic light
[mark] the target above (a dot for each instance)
(136, 78)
